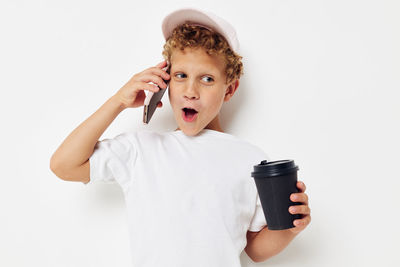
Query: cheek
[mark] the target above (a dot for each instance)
(214, 103)
(171, 94)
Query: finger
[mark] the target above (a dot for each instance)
(159, 72)
(302, 222)
(154, 79)
(159, 104)
(299, 197)
(149, 87)
(299, 209)
(301, 186)
(162, 64)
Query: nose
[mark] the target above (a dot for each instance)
(191, 91)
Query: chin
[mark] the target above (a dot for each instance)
(189, 132)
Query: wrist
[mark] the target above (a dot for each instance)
(117, 103)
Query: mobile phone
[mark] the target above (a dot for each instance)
(152, 99)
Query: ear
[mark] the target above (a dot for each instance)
(231, 89)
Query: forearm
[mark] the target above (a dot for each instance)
(79, 145)
(268, 243)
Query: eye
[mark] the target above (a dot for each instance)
(210, 79)
(177, 75)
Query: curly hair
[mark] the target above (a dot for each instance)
(193, 36)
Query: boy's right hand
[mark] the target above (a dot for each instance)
(131, 95)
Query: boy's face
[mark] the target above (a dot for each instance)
(198, 81)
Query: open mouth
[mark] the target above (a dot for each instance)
(189, 114)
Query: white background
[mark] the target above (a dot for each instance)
(321, 86)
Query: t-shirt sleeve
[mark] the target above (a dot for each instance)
(113, 160)
(258, 222)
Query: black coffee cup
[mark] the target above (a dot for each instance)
(276, 181)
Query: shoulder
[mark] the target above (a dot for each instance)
(243, 146)
(127, 140)
(247, 143)
(136, 135)
(142, 139)
(254, 149)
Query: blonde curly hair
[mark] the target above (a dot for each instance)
(193, 36)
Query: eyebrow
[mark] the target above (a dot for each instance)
(208, 72)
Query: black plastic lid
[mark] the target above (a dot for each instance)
(274, 168)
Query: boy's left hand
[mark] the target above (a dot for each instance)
(303, 209)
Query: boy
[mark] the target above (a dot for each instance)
(191, 200)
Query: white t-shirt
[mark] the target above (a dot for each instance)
(190, 199)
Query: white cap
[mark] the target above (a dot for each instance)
(200, 18)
